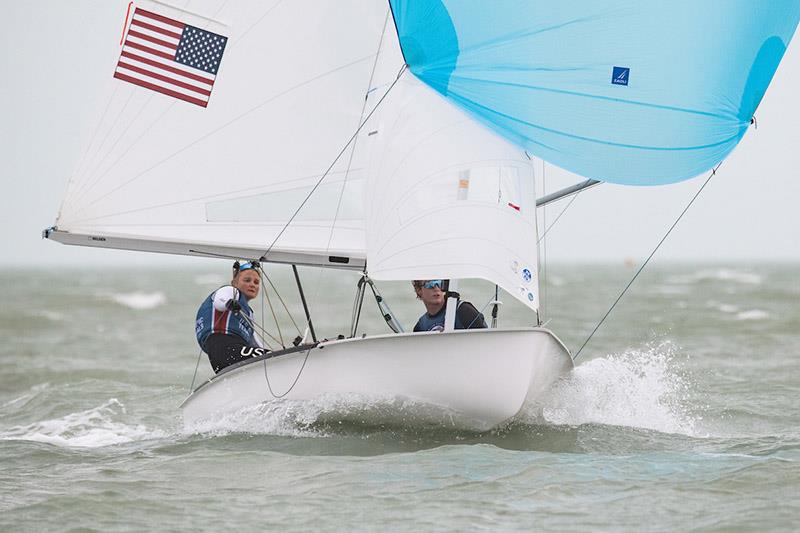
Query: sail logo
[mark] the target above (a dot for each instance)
(619, 75)
(526, 275)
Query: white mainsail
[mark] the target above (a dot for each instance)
(272, 164)
(161, 174)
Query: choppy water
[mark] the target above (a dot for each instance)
(681, 414)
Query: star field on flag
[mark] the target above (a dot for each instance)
(170, 57)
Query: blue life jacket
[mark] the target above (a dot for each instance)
(209, 321)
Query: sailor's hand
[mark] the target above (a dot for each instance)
(233, 305)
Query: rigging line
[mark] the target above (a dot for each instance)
(220, 128)
(360, 119)
(272, 310)
(196, 367)
(261, 292)
(283, 303)
(319, 182)
(685, 209)
(482, 309)
(354, 142)
(261, 298)
(559, 215)
(258, 328)
(296, 379)
(344, 148)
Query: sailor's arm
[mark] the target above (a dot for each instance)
(226, 298)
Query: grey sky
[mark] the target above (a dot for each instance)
(53, 62)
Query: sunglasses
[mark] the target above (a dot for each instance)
(237, 267)
(433, 283)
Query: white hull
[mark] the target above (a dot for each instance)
(470, 379)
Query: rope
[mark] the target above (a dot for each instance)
(574, 196)
(196, 367)
(283, 303)
(296, 379)
(339, 155)
(272, 309)
(685, 209)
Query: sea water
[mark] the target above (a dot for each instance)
(682, 412)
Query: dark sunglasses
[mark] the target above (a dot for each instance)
(433, 283)
(248, 265)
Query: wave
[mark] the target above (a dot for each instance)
(140, 300)
(93, 428)
(724, 308)
(753, 314)
(53, 316)
(290, 418)
(639, 389)
(720, 274)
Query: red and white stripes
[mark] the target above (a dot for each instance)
(148, 59)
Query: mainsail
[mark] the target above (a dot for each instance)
(163, 174)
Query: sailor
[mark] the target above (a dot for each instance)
(431, 294)
(224, 325)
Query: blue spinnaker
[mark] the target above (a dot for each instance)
(641, 92)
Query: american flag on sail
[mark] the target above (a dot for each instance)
(170, 57)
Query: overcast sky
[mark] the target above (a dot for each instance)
(54, 56)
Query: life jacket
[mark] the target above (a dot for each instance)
(465, 318)
(209, 320)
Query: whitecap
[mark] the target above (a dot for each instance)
(720, 274)
(52, 316)
(290, 418)
(640, 389)
(753, 314)
(32, 393)
(140, 300)
(309, 418)
(671, 290)
(93, 428)
(725, 308)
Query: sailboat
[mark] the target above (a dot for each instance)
(398, 139)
